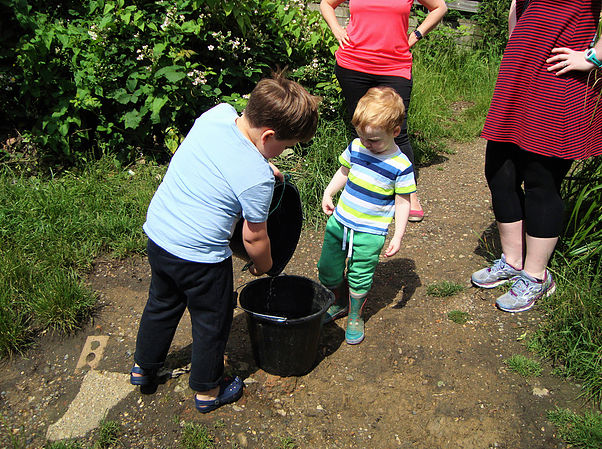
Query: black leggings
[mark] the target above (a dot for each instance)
(539, 203)
(355, 84)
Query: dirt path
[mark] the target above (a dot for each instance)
(419, 380)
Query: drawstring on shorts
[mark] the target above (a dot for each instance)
(350, 243)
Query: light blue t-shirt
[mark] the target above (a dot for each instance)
(216, 176)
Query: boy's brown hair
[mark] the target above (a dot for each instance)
(380, 107)
(284, 106)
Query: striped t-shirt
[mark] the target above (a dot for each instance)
(367, 203)
(532, 107)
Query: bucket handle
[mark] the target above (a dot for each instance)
(278, 319)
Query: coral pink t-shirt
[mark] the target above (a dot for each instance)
(378, 31)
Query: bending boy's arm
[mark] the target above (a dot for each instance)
(402, 212)
(257, 244)
(337, 182)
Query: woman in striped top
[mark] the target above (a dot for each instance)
(544, 114)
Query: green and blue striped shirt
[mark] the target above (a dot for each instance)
(367, 203)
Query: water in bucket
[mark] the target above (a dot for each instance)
(284, 317)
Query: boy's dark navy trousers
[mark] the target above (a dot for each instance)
(207, 290)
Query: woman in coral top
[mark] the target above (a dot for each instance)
(374, 50)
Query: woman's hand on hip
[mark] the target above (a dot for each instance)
(340, 34)
(565, 60)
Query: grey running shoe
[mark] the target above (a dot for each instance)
(497, 274)
(525, 291)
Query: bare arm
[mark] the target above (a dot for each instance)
(337, 182)
(257, 244)
(512, 18)
(327, 8)
(402, 212)
(437, 9)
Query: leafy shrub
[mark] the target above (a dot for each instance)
(492, 19)
(131, 77)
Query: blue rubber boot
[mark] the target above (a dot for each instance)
(354, 334)
(340, 307)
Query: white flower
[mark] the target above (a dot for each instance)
(210, 47)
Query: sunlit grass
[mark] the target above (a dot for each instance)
(523, 366)
(52, 230)
(444, 289)
(582, 431)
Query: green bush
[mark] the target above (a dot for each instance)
(130, 77)
(492, 19)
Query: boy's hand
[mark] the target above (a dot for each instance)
(327, 204)
(393, 247)
(277, 173)
(254, 271)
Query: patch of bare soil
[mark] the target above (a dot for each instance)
(418, 380)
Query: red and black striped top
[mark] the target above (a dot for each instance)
(543, 113)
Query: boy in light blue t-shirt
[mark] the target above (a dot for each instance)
(219, 174)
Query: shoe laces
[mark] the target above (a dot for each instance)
(498, 265)
(524, 285)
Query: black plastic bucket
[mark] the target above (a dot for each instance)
(284, 227)
(284, 317)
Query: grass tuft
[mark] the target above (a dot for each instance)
(444, 289)
(287, 443)
(108, 435)
(458, 316)
(196, 436)
(523, 366)
(571, 335)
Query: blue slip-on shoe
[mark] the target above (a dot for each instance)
(147, 377)
(525, 291)
(229, 391)
(497, 274)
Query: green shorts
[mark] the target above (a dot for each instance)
(365, 252)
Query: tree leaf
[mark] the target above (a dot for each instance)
(132, 119)
(156, 106)
(171, 73)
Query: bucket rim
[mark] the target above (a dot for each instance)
(284, 320)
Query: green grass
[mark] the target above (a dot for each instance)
(583, 431)
(196, 436)
(287, 443)
(444, 289)
(571, 335)
(107, 435)
(52, 230)
(458, 317)
(450, 97)
(523, 366)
